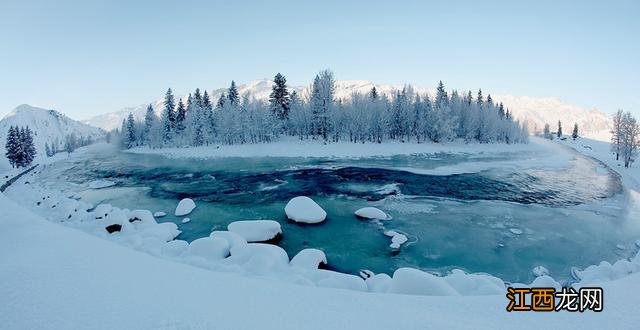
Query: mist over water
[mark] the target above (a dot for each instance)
(573, 216)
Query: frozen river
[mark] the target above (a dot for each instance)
(458, 210)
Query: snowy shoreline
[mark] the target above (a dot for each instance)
(407, 281)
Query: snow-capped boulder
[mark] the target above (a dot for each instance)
(259, 258)
(417, 282)
(186, 220)
(397, 239)
(141, 215)
(256, 230)
(232, 238)
(379, 283)
(209, 248)
(185, 207)
(159, 214)
(371, 213)
(309, 259)
(102, 210)
(304, 209)
(540, 271)
(545, 281)
(165, 231)
(331, 279)
(175, 248)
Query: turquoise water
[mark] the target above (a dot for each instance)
(452, 221)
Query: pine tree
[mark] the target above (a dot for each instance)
(374, 93)
(279, 97)
(574, 135)
(501, 112)
(168, 117)
(479, 98)
(221, 100)
(29, 147)
(181, 116)
(559, 133)
(130, 133)
(149, 123)
(12, 145)
(233, 96)
(322, 102)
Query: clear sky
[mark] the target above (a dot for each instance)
(91, 57)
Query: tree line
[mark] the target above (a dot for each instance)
(625, 137)
(19, 147)
(372, 117)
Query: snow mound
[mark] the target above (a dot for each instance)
(260, 258)
(331, 279)
(371, 213)
(185, 207)
(256, 230)
(474, 284)
(159, 214)
(516, 231)
(185, 220)
(212, 249)
(416, 282)
(309, 259)
(232, 238)
(397, 239)
(304, 209)
(99, 184)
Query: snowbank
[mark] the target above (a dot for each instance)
(185, 207)
(304, 209)
(371, 213)
(256, 230)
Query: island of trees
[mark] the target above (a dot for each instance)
(373, 117)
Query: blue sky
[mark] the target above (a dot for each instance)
(87, 58)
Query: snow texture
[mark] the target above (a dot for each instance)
(304, 209)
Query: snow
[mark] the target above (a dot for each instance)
(186, 220)
(371, 213)
(304, 209)
(540, 271)
(159, 214)
(516, 231)
(256, 230)
(397, 239)
(99, 184)
(185, 207)
(101, 281)
(309, 258)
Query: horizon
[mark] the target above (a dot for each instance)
(73, 58)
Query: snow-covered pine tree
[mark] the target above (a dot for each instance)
(616, 133)
(279, 98)
(149, 123)
(181, 115)
(559, 133)
(221, 100)
(321, 102)
(374, 93)
(168, 117)
(12, 145)
(210, 123)
(630, 138)
(233, 96)
(130, 132)
(28, 146)
(574, 134)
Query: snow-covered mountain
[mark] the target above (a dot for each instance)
(48, 126)
(535, 111)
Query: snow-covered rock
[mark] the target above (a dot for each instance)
(304, 209)
(331, 279)
(185, 220)
(256, 230)
(212, 249)
(540, 271)
(516, 231)
(185, 207)
(232, 238)
(309, 259)
(417, 282)
(159, 214)
(397, 239)
(371, 213)
(378, 282)
(99, 184)
(175, 248)
(474, 284)
(259, 258)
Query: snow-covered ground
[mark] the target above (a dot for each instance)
(106, 285)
